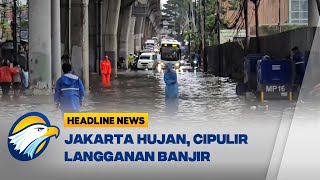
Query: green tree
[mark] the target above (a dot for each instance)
(178, 11)
(211, 27)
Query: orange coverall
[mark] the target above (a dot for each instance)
(105, 67)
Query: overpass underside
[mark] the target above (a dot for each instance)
(82, 32)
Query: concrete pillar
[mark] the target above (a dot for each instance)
(146, 30)
(125, 20)
(131, 34)
(149, 30)
(76, 39)
(143, 30)
(111, 12)
(85, 43)
(40, 46)
(80, 40)
(313, 14)
(153, 32)
(56, 40)
(145, 27)
(138, 33)
(94, 36)
(65, 33)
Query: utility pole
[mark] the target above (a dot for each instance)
(85, 42)
(189, 36)
(204, 24)
(279, 16)
(218, 23)
(199, 25)
(69, 30)
(247, 24)
(195, 14)
(219, 38)
(205, 63)
(256, 4)
(14, 32)
(99, 51)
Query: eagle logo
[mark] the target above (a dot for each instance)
(30, 135)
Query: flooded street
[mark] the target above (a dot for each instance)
(203, 98)
(207, 104)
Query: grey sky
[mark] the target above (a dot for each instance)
(163, 2)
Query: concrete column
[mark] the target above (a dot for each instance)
(40, 47)
(125, 21)
(143, 30)
(138, 33)
(111, 12)
(80, 40)
(76, 38)
(56, 40)
(146, 31)
(131, 34)
(94, 36)
(85, 43)
(313, 14)
(153, 32)
(145, 27)
(149, 30)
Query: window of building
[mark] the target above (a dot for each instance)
(298, 11)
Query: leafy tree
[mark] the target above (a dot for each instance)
(211, 27)
(178, 11)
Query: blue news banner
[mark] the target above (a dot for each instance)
(148, 139)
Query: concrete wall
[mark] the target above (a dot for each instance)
(278, 45)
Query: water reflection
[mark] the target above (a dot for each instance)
(172, 106)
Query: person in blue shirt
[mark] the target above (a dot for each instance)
(298, 59)
(170, 78)
(69, 91)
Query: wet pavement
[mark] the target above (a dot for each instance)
(207, 104)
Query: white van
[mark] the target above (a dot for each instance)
(150, 42)
(147, 61)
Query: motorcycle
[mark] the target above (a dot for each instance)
(194, 63)
(134, 65)
(121, 63)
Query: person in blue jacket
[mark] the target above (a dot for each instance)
(300, 66)
(170, 78)
(69, 91)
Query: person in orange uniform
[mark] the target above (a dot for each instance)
(105, 67)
